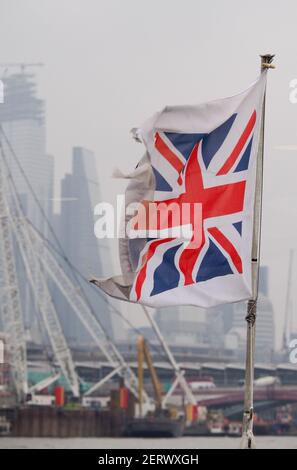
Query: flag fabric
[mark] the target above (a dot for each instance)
(203, 156)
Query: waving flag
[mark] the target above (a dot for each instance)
(198, 173)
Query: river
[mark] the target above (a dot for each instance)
(266, 442)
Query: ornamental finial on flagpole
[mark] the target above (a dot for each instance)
(266, 61)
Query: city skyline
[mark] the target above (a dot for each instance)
(23, 120)
(79, 190)
(108, 85)
(148, 226)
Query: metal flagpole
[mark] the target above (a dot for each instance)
(248, 440)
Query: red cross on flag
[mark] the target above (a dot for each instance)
(190, 238)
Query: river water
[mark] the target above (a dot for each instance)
(267, 442)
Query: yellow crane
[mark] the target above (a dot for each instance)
(143, 353)
(163, 422)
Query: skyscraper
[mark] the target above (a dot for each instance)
(265, 328)
(80, 193)
(22, 118)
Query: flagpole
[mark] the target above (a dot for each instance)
(248, 440)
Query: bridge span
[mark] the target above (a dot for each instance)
(225, 397)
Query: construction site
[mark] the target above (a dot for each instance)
(143, 387)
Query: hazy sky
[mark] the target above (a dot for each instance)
(109, 64)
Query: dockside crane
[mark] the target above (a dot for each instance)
(12, 317)
(159, 421)
(143, 353)
(40, 262)
(39, 287)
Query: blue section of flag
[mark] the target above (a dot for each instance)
(215, 258)
(166, 276)
(213, 141)
(161, 183)
(238, 226)
(244, 161)
(184, 142)
(214, 264)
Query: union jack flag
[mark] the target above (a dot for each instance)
(205, 155)
(199, 172)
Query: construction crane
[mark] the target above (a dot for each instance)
(21, 65)
(157, 422)
(39, 263)
(179, 374)
(40, 290)
(74, 297)
(10, 300)
(144, 353)
(44, 384)
(46, 307)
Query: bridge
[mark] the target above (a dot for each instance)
(231, 399)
